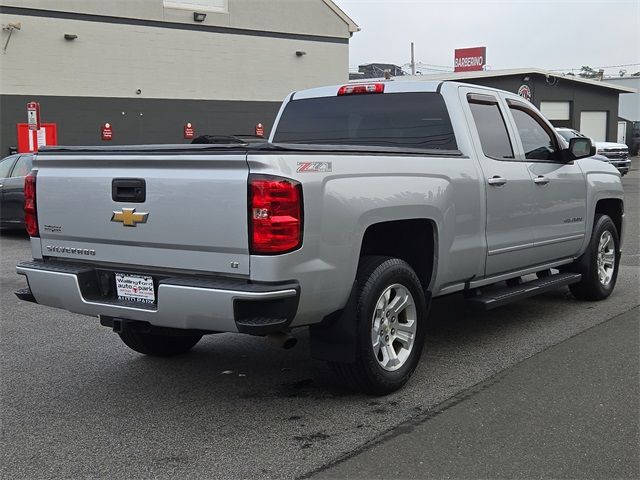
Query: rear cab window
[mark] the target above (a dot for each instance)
(403, 120)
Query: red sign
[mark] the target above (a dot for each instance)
(188, 130)
(259, 130)
(470, 59)
(106, 132)
(33, 116)
(31, 140)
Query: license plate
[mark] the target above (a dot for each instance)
(135, 288)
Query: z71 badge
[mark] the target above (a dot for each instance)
(317, 167)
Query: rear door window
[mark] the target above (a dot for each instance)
(491, 127)
(5, 166)
(406, 120)
(23, 166)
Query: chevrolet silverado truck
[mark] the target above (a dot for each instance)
(367, 201)
(615, 153)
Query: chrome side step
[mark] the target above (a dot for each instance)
(503, 296)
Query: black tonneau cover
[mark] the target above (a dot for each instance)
(266, 147)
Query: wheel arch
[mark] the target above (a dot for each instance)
(413, 240)
(614, 209)
(334, 338)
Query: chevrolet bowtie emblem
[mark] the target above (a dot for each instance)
(129, 217)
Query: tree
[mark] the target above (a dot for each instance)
(588, 72)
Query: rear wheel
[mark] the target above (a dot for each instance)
(159, 345)
(601, 261)
(390, 327)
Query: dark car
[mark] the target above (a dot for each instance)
(13, 169)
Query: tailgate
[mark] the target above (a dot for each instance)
(193, 215)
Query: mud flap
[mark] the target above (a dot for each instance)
(334, 339)
(582, 266)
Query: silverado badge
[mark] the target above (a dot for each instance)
(129, 217)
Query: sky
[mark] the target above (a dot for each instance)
(553, 35)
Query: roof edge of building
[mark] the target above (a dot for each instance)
(353, 26)
(461, 76)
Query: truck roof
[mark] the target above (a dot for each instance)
(390, 86)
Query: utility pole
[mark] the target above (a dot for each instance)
(413, 61)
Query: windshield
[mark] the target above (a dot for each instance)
(409, 120)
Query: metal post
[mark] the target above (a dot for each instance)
(413, 61)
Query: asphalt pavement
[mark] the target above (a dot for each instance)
(570, 411)
(75, 402)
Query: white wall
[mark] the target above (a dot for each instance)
(629, 102)
(312, 17)
(114, 60)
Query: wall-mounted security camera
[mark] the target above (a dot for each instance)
(12, 26)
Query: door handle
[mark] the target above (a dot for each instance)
(497, 181)
(541, 180)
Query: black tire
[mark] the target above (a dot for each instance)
(591, 288)
(159, 345)
(375, 275)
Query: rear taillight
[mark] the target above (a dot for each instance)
(357, 89)
(275, 214)
(30, 211)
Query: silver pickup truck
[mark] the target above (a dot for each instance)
(367, 201)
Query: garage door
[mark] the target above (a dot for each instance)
(594, 125)
(556, 110)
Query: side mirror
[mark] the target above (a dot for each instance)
(580, 147)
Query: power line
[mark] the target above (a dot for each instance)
(437, 66)
(598, 66)
(446, 68)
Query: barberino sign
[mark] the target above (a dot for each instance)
(470, 59)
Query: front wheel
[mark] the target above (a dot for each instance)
(602, 259)
(158, 345)
(390, 327)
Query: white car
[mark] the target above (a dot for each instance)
(617, 153)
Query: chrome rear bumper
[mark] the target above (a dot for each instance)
(198, 303)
